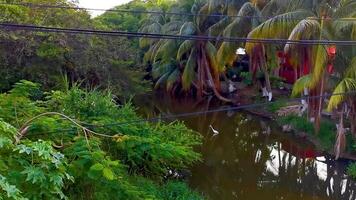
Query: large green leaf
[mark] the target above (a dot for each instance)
(189, 71)
(346, 85)
(305, 30)
(184, 48)
(300, 84)
(173, 78)
(188, 28)
(320, 58)
(211, 54)
(278, 27)
(162, 80)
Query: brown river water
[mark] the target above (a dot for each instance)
(250, 158)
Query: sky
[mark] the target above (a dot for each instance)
(102, 4)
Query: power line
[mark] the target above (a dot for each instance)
(191, 114)
(12, 27)
(46, 6)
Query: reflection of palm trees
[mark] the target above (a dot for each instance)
(301, 176)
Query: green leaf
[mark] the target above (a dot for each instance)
(97, 167)
(34, 174)
(300, 84)
(108, 174)
(189, 73)
(184, 48)
(173, 78)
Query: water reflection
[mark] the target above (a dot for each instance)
(251, 158)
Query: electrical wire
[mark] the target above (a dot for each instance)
(191, 114)
(46, 6)
(24, 27)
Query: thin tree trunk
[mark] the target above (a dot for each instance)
(340, 137)
(210, 78)
(268, 82)
(353, 119)
(200, 77)
(320, 104)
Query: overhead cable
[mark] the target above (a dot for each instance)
(198, 113)
(24, 27)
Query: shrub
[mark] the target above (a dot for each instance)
(351, 170)
(55, 156)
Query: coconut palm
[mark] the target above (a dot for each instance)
(316, 58)
(303, 20)
(344, 97)
(199, 62)
(189, 63)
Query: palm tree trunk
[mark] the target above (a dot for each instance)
(341, 139)
(353, 119)
(200, 77)
(210, 79)
(267, 80)
(320, 104)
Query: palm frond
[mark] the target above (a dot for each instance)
(202, 15)
(215, 5)
(173, 78)
(211, 54)
(184, 48)
(320, 58)
(351, 70)
(347, 9)
(302, 83)
(189, 71)
(305, 30)
(188, 28)
(159, 69)
(227, 51)
(162, 80)
(172, 27)
(275, 7)
(346, 85)
(233, 6)
(215, 29)
(279, 26)
(166, 50)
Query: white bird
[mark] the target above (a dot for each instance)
(214, 131)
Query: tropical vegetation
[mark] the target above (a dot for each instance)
(64, 129)
(54, 148)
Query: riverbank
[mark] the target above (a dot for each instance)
(298, 125)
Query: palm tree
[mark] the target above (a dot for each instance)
(301, 20)
(343, 95)
(159, 51)
(199, 63)
(316, 57)
(288, 14)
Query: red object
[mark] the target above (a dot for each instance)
(286, 69)
(332, 51)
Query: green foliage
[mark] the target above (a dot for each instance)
(46, 57)
(246, 78)
(277, 82)
(299, 123)
(275, 106)
(31, 169)
(326, 135)
(55, 159)
(351, 170)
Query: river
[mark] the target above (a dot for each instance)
(250, 158)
